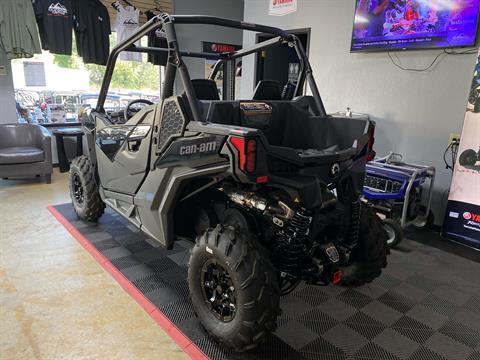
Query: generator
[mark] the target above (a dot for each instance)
(400, 193)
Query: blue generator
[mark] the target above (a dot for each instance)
(400, 194)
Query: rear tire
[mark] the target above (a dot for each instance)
(370, 254)
(84, 190)
(394, 232)
(255, 296)
(468, 158)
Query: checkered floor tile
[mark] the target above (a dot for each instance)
(426, 304)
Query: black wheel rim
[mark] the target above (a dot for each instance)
(78, 189)
(218, 290)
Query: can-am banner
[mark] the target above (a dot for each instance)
(282, 7)
(462, 220)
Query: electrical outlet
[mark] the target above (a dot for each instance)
(454, 137)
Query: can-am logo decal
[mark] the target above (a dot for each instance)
(58, 9)
(282, 7)
(206, 147)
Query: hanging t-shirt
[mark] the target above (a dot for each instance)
(157, 39)
(54, 18)
(18, 31)
(92, 30)
(128, 19)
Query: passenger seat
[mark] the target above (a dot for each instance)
(268, 90)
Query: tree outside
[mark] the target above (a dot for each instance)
(128, 75)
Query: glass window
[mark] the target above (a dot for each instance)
(53, 88)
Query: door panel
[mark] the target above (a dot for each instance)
(124, 152)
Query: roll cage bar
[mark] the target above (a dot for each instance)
(175, 62)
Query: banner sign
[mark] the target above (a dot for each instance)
(462, 219)
(282, 7)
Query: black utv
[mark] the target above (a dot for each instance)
(268, 188)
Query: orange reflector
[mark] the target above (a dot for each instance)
(337, 277)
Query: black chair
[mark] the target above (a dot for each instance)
(268, 90)
(205, 89)
(25, 150)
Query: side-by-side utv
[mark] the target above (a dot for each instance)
(268, 188)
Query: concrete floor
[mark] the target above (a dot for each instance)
(56, 302)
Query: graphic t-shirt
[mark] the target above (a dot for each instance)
(54, 19)
(157, 39)
(128, 19)
(92, 30)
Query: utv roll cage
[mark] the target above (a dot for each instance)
(227, 60)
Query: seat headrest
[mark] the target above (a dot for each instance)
(205, 89)
(267, 90)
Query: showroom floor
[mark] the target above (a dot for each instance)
(56, 302)
(424, 305)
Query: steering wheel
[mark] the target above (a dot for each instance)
(128, 112)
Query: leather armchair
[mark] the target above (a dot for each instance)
(25, 150)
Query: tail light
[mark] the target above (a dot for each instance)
(239, 144)
(371, 141)
(251, 156)
(247, 153)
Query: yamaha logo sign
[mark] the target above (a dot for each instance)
(470, 216)
(282, 7)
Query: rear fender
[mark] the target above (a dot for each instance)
(158, 196)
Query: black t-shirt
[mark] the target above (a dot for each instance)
(92, 31)
(54, 19)
(156, 38)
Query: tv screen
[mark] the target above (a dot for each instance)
(414, 24)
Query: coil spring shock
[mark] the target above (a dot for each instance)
(290, 245)
(354, 232)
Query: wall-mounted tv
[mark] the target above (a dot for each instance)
(387, 25)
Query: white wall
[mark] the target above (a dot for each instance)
(415, 112)
(7, 94)
(190, 37)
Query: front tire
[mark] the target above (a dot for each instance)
(370, 254)
(234, 289)
(84, 190)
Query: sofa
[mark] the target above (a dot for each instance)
(25, 150)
